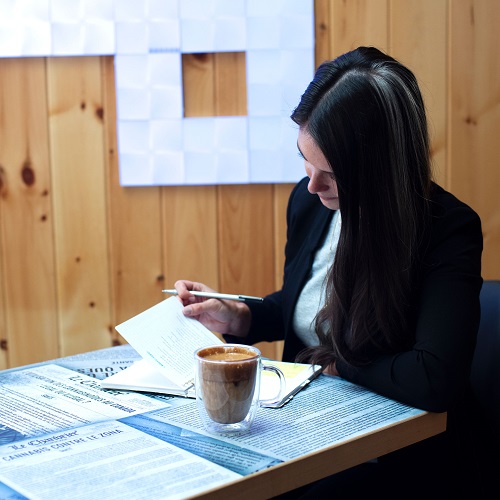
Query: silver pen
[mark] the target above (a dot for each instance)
(222, 296)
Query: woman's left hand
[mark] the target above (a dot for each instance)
(331, 370)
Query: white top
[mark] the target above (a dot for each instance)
(312, 297)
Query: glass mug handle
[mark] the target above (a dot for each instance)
(282, 392)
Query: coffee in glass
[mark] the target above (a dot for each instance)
(227, 384)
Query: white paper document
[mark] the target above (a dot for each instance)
(167, 339)
(48, 398)
(327, 412)
(108, 460)
(143, 376)
(64, 438)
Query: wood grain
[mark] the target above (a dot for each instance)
(358, 22)
(418, 34)
(323, 31)
(79, 253)
(189, 213)
(474, 117)
(134, 235)
(76, 138)
(27, 247)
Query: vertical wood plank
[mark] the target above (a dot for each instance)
(358, 22)
(134, 227)
(246, 239)
(244, 211)
(419, 39)
(190, 234)
(246, 243)
(322, 31)
(28, 275)
(189, 213)
(240, 206)
(418, 33)
(474, 116)
(198, 84)
(230, 92)
(175, 232)
(78, 172)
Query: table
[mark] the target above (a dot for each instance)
(356, 426)
(317, 465)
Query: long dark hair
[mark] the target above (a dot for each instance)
(365, 112)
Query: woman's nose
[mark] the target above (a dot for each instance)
(316, 185)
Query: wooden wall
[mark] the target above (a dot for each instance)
(80, 254)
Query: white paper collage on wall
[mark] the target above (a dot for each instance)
(157, 145)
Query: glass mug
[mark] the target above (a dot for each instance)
(227, 384)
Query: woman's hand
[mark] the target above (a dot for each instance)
(331, 369)
(221, 316)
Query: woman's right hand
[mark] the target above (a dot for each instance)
(221, 316)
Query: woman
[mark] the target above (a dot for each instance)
(383, 267)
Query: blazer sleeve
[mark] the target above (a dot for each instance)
(433, 374)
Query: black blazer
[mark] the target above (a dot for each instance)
(432, 374)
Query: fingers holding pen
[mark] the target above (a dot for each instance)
(215, 314)
(219, 315)
(184, 287)
(208, 311)
(195, 306)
